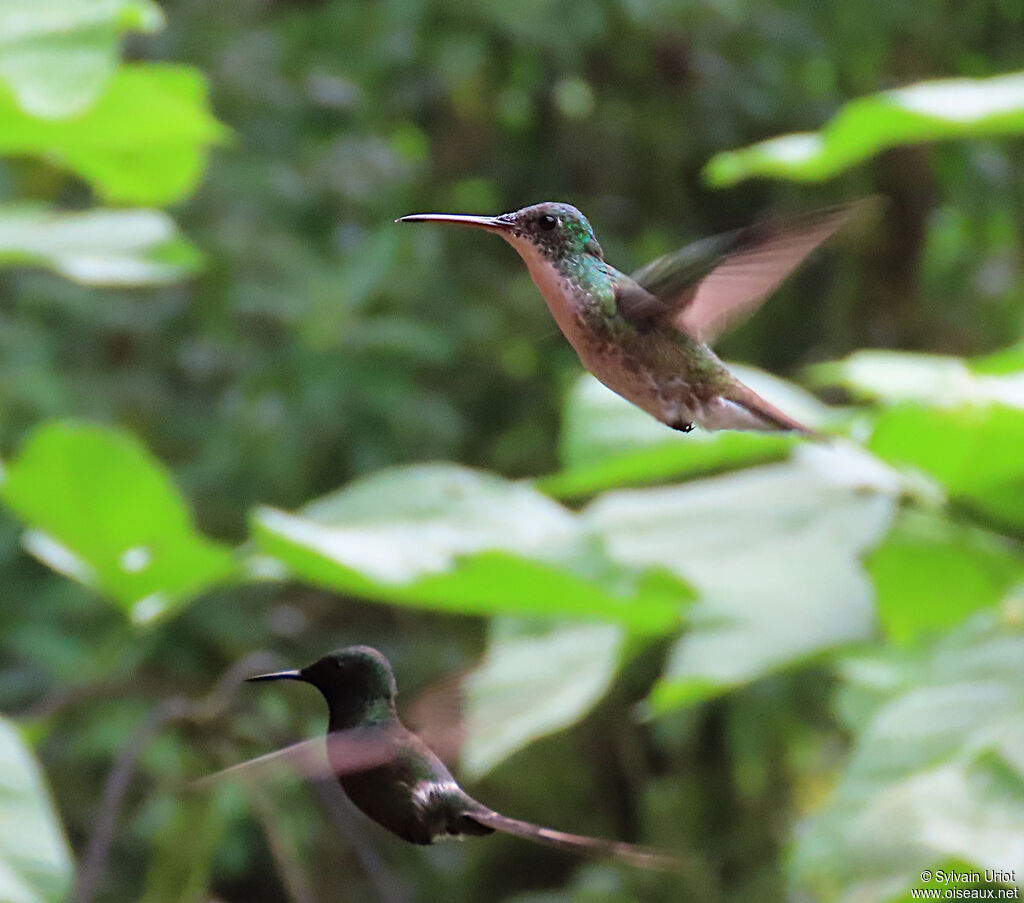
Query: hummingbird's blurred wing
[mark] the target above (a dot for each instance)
(713, 284)
(350, 751)
(578, 843)
(437, 715)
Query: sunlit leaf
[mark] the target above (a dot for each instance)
(96, 247)
(533, 684)
(35, 862)
(57, 55)
(973, 451)
(938, 380)
(930, 573)
(936, 776)
(144, 141)
(100, 509)
(608, 442)
(446, 537)
(927, 111)
(774, 553)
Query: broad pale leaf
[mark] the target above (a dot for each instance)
(532, 684)
(96, 247)
(445, 537)
(35, 862)
(774, 553)
(936, 776)
(58, 55)
(894, 377)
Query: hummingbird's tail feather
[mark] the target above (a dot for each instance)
(761, 414)
(577, 843)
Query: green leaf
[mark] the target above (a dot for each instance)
(937, 775)
(534, 684)
(445, 537)
(927, 111)
(973, 451)
(774, 554)
(35, 862)
(930, 573)
(894, 377)
(144, 141)
(96, 247)
(608, 442)
(58, 55)
(102, 510)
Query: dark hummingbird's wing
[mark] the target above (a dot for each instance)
(713, 284)
(349, 751)
(577, 843)
(437, 715)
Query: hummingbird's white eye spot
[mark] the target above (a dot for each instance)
(547, 222)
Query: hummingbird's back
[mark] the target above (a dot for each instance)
(413, 795)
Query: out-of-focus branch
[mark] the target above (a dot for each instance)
(293, 878)
(65, 695)
(388, 886)
(114, 790)
(118, 780)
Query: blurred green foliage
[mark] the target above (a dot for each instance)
(952, 108)
(796, 665)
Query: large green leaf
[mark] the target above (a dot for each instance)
(35, 863)
(774, 553)
(973, 451)
(894, 377)
(57, 55)
(608, 442)
(927, 111)
(97, 247)
(961, 424)
(144, 141)
(100, 509)
(936, 776)
(931, 572)
(445, 537)
(534, 683)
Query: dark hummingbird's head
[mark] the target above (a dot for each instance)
(555, 230)
(356, 681)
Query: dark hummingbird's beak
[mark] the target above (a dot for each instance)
(278, 675)
(490, 223)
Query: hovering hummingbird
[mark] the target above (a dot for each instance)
(646, 336)
(393, 776)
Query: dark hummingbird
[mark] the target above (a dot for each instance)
(394, 777)
(646, 336)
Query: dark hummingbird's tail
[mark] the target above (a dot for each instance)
(577, 843)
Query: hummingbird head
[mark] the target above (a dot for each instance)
(356, 681)
(556, 230)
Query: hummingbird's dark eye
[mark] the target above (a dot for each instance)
(547, 222)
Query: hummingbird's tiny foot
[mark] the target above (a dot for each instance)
(683, 426)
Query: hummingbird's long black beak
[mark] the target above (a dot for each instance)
(490, 223)
(278, 675)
